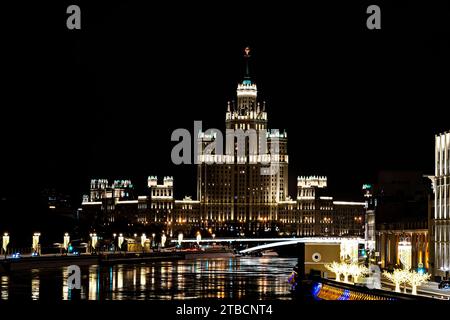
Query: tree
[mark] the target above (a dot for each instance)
(346, 270)
(416, 279)
(336, 268)
(357, 270)
(398, 277)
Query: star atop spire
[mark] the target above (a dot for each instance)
(247, 52)
(247, 69)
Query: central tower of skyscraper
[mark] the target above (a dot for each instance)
(237, 195)
(248, 113)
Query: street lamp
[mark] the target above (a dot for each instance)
(180, 238)
(114, 241)
(66, 241)
(163, 240)
(35, 243)
(143, 240)
(199, 237)
(94, 240)
(120, 242)
(5, 242)
(153, 240)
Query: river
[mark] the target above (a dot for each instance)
(234, 278)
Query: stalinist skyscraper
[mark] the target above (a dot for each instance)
(240, 192)
(242, 186)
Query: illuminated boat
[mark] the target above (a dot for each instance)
(325, 289)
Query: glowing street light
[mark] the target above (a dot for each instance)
(163, 240)
(180, 238)
(120, 241)
(199, 237)
(35, 243)
(143, 240)
(66, 241)
(114, 241)
(5, 242)
(94, 240)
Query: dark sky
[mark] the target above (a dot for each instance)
(103, 101)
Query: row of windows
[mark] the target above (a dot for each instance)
(162, 192)
(162, 205)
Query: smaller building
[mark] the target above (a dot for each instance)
(399, 201)
(316, 214)
(403, 245)
(116, 206)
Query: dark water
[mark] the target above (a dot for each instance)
(249, 277)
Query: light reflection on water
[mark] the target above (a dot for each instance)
(251, 277)
(4, 284)
(35, 284)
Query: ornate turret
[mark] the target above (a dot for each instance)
(247, 112)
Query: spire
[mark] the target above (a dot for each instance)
(246, 90)
(247, 69)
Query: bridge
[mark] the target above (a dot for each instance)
(274, 242)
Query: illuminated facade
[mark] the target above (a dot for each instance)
(311, 214)
(233, 193)
(441, 216)
(243, 192)
(116, 204)
(314, 213)
(370, 221)
(403, 244)
(399, 201)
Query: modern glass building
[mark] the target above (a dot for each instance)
(441, 218)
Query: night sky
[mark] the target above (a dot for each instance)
(103, 101)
